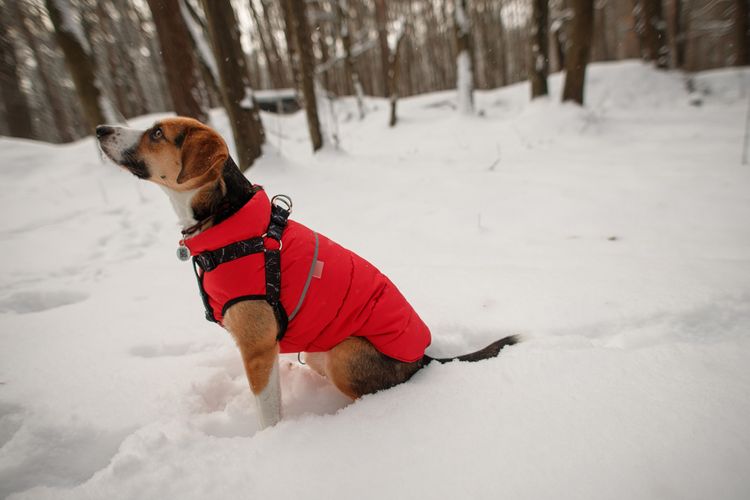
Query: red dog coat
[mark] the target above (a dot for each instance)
(345, 295)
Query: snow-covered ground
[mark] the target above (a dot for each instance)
(615, 237)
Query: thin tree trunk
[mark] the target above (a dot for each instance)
(578, 53)
(237, 93)
(291, 42)
(381, 19)
(79, 61)
(351, 70)
(14, 99)
(272, 61)
(742, 37)
(272, 43)
(393, 72)
(539, 48)
(62, 121)
(464, 58)
(179, 59)
(304, 62)
(502, 56)
(650, 27)
(206, 59)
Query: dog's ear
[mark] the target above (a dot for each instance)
(202, 150)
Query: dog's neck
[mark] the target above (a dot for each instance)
(214, 202)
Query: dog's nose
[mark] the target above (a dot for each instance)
(104, 131)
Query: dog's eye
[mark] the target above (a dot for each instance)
(157, 134)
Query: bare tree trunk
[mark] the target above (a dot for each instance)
(14, 99)
(291, 42)
(742, 37)
(62, 122)
(464, 58)
(179, 59)
(539, 48)
(272, 43)
(209, 70)
(675, 35)
(351, 70)
(650, 27)
(381, 18)
(236, 91)
(79, 60)
(578, 53)
(393, 72)
(272, 61)
(304, 62)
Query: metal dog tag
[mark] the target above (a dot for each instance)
(183, 253)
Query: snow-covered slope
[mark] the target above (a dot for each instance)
(616, 238)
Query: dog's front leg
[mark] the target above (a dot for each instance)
(253, 326)
(263, 374)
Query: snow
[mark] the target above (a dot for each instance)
(247, 101)
(462, 20)
(394, 35)
(614, 237)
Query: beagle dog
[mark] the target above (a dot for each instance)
(191, 163)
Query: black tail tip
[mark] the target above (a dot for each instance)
(493, 349)
(488, 352)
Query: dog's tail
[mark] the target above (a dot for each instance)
(490, 351)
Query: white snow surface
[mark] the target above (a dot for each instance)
(614, 237)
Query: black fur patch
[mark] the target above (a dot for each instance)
(137, 167)
(222, 205)
(179, 139)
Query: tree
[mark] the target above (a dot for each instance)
(304, 62)
(79, 61)
(14, 99)
(464, 63)
(741, 33)
(393, 67)
(578, 52)
(650, 28)
(236, 91)
(63, 126)
(539, 47)
(268, 45)
(676, 34)
(180, 64)
(351, 72)
(381, 20)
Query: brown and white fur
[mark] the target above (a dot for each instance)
(187, 160)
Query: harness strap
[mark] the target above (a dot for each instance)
(211, 259)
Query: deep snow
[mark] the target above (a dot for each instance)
(615, 237)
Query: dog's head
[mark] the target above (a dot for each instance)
(179, 153)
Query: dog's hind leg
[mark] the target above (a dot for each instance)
(356, 368)
(253, 326)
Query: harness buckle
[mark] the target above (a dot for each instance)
(265, 235)
(282, 201)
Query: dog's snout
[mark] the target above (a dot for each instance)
(104, 131)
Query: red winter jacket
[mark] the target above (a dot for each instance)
(347, 296)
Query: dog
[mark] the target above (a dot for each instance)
(274, 284)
